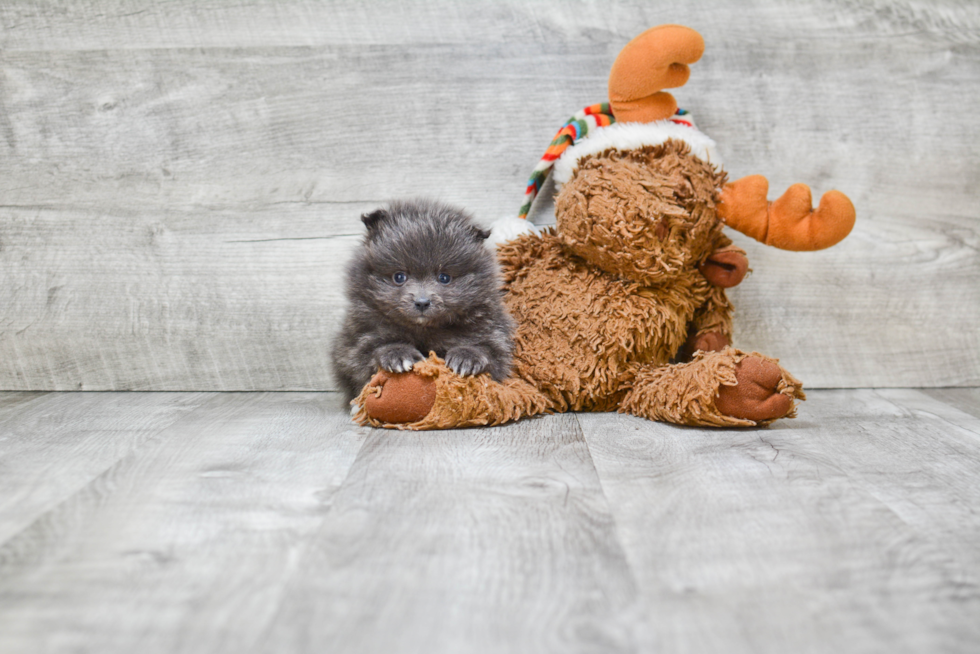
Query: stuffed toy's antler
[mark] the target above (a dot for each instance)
(656, 59)
(789, 223)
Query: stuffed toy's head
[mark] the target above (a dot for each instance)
(641, 190)
(645, 214)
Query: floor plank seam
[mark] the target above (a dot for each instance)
(131, 455)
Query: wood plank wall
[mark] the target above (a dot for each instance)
(180, 183)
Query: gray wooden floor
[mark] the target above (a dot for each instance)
(226, 522)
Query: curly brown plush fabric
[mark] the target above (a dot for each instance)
(605, 303)
(687, 394)
(456, 402)
(581, 333)
(646, 216)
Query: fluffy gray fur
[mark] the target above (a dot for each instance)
(393, 323)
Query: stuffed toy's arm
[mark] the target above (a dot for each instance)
(711, 328)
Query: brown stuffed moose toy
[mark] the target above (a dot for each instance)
(622, 306)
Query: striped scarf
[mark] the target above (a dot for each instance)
(575, 128)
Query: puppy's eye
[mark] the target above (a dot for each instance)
(444, 278)
(399, 278)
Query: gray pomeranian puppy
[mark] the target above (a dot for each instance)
(423, 280)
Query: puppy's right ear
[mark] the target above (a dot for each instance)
(481, 234)
(373, 220)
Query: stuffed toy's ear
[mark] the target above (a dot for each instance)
(373, 219)
(481, 234)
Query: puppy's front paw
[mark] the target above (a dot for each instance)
(465, 360)
(397, 357)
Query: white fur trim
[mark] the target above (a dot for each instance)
(509, 228)
(629, 136)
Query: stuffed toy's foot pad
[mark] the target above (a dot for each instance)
(757, 395)
(710, 342)
(399, 398)
(432, 396)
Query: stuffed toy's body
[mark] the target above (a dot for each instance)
(622, 306)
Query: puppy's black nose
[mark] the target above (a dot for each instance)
(422, 303)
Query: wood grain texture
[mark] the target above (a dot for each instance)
(964, 399)
(255, 309)
(141, 142)
(490, 540)
(257, 522)
(851, 529)
(186, 543)
(51, 446)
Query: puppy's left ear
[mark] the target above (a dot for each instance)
(481, 234)
(374, 219)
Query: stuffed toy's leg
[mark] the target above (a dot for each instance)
(432, 396)
(721, 389)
